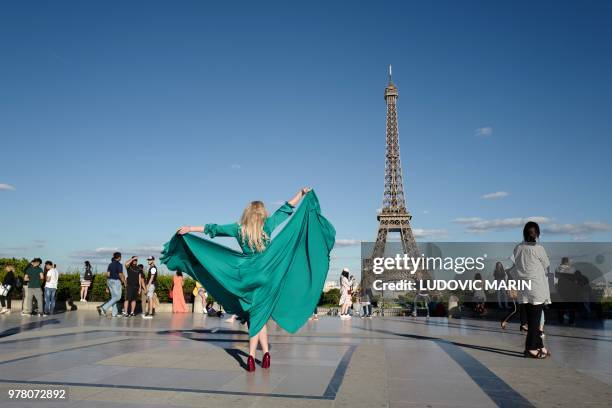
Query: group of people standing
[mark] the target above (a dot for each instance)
(135, 282)
(39, 283)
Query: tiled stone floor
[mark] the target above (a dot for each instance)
(189, 360)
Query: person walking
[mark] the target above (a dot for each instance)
(280, 278)
(345, 294)
(86, 278)
(33, 276)
(132, 287)
(530, 264)
(114, 279)
(6, 289)
(52, 278)
(151, 283)
(178, 297)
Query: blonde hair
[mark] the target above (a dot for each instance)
(251, 226)
(9, 267)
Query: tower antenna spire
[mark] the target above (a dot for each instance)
(390, 72)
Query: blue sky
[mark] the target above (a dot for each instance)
(121, 121)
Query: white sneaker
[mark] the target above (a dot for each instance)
(3, 311)
(25, 314)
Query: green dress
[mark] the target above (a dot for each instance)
(284, 282)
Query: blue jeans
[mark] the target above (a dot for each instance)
(49, 300)
(114, 286)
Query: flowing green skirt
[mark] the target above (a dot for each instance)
(284, 282)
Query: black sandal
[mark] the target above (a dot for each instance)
(540, 355)
(523, 328)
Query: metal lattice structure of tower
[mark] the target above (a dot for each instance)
(393, 216)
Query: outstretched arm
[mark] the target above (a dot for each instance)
(186, 230)
(213, 230)
(298, 196)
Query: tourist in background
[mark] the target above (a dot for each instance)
(114, 279)
(531, 263)
(34, 277)
(480, 297)
(51, 277)
(200, 292)
(151, 281)
(132, 286)
(8, 285)
(178, 297)
(86, 278)
(500, 276)
(366, 301)
(142, 288)
(345, 294)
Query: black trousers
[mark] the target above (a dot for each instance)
(534, 335)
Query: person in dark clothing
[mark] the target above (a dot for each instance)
(114, 279)
(132, 287)
(34, 277)
(8, 285)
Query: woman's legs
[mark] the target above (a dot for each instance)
(263, 339)
(253, 341)
(259, 338)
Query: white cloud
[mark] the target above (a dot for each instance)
(235, 166)
(429, 233)
(493, 196)
(6, 187)
(475, 224)
(105, 253)
(347, 242)
(578, 231)
(484, 131)
(102, 253)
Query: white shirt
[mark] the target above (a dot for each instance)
(530, 263)
(53, 276)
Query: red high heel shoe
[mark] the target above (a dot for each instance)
(265, 362)
(250, 364)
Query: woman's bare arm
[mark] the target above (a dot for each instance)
(298, 196)
(186, 230)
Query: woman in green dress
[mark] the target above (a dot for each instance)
(280, 279)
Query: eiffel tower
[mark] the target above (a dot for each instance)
(393, 217)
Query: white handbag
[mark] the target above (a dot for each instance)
(4, 290)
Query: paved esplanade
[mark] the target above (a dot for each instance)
(189, 360)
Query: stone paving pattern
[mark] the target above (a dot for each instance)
(194, 361)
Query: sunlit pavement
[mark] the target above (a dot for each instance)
(196, 361)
